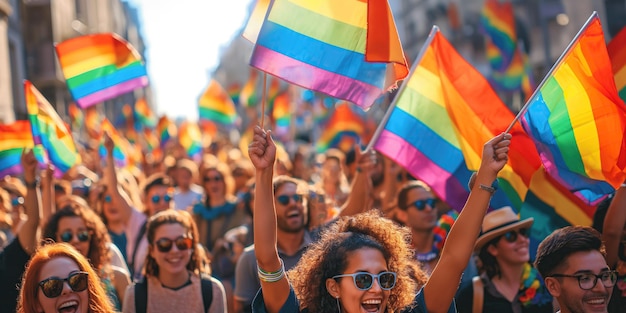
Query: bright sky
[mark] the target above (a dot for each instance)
(183, 41)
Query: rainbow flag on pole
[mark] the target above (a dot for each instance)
(50, 131)
(14, 138)
(617, 53)
(215, 105)
(121, 145)
(577, 119)
(100, 67)
(347, 49)
(343, 130)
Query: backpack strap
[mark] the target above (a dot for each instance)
(479, 295)
(141, 296)
(142, 232)
(206, 285)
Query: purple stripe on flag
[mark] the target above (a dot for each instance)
(112, 92)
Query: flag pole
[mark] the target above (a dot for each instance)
(385, 119)
(552, 69)
(263, 100)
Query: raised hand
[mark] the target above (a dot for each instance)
(108, 143)
(366, 160)
(262, 150)
(495, 153)
(29, 163)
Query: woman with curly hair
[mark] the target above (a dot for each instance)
(175, 270)
(76, 224)
(59, 278)
(362, 262)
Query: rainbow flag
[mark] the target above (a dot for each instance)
(150, 139)
(166, 130)
(190, 138)
(216, 105)
(577, 119)
(77, 118)
(233, 91)
(14, 138)
(498, 23)
(143, 114)
(281, 113)
(343, 130)
(248, 95)
(50, 131)
(121, 147)
(92, 122)
(347, 49)
(100, 67)
(125, 120)
(617, 53)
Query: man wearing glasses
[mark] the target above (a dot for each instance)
(572, 262)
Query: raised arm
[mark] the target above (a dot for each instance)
(359, 199)
(441, 286)
(117, 199)
(27, 235)
(48, 205)
(613, 228)
(262, 152)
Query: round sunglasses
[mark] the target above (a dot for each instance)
(53, 287)
(157, 198)
(165, 244)
(83, 236)
(284, 199)
(365, 280)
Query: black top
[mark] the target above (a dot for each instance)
(13, 260)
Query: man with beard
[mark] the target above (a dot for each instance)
(573, 264)
(292, 235)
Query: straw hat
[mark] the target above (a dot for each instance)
(498, 222)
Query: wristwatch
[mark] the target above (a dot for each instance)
(32, 185)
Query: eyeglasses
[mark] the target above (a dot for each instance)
(421, 204)
(83, 236)
(157, 198)
(17, 201)
(53, 287)
(511, 236)
(365, 280)
(588, 281)
(212, 178)
(165, 244)
(285, 199)
(316, 197)
(107, 198)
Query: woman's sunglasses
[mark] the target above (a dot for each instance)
(212, 178)
(165, 244)
(284, 199)
(511, 236)
(421, 204)
(365, 280)
(83, 236)
(53, 287)
(156, 198)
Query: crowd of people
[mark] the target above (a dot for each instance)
(251, 231)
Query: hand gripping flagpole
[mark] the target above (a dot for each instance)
(593, 16)
(385, 119)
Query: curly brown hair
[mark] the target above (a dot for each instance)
(329, 257)
(197, 263)
(75, 206)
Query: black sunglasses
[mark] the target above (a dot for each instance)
(284, 199)
(53, 287)
(212, 178)
(365, 280)
(83, 236)
(166, 244)
(156, 198)
(511, 236)
(316, 197)
(421, 204)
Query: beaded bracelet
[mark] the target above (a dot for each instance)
(271, 277)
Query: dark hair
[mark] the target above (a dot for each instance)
(558, 246)
(600, 213)
(157, 179)
(281, 180)
(404, 192)
(487, 262)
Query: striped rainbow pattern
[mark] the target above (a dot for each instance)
(143, 114)
(50, 131)
(190, 138)
(100, 67)
(150, 139)
(498, 22)
(577, 119)
(166, 130)
(121, 145)
(248, 95)
(343, 130)
(617, 53)
(77, 118)
(215, 105)
(281, 112)
(233, 91)
(323, 45)
(14, 138)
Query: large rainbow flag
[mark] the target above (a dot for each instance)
(14, 138)
(617, 53)
(347, 49)
(100, 67)
(344, 129)
(50, 131)
(577, 119)
(215, 105)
